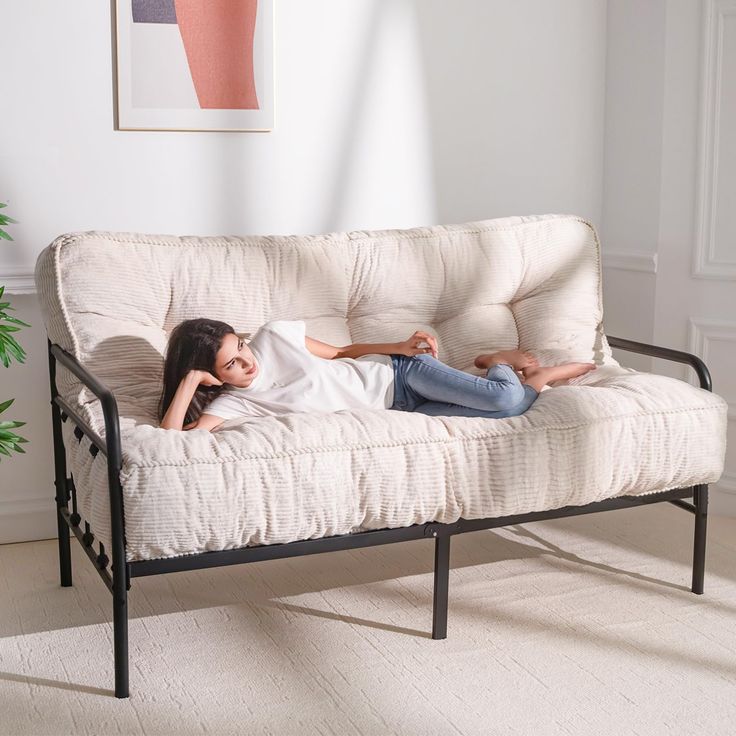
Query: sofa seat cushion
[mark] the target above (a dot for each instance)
(270, 480)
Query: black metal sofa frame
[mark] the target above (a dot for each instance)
(118, 578)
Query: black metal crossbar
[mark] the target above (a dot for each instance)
(118, 579)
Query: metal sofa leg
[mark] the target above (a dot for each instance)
(700, 501)
(62, 498)
(120, 626)
(441, 585)
(65, 552)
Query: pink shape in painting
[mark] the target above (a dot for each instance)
(218, 40)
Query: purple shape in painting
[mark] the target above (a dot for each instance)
(154, 11)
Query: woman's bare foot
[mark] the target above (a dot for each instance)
(537, 377)
(517, 358)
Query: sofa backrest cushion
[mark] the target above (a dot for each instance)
(111, 299)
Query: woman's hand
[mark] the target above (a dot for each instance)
(205, 378)
(411, 346)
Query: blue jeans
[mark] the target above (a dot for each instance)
(426, 385)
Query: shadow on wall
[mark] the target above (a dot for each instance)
(358, 110)
(488, 110)
(331, 164)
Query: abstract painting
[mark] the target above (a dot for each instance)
(195, 64)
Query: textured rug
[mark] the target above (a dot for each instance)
(583, 625)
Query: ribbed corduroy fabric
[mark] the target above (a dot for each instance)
(530, 282)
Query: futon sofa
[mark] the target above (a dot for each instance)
(143, 500)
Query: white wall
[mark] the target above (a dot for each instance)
(389, 113)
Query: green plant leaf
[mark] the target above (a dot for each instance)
(5, 405)
(10, 424)
(8, 436)
(10, 340)
(12, 346)
(3, 204)
(16, 321)
(3, 234)
(7, 351)
(3, 450)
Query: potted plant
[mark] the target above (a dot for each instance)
(9, 348)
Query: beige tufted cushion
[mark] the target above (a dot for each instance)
(112, 298)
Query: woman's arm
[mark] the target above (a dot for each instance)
(206, 421)
(174, 417)
(367, 348)
(407, 347)
(320, 349)
(327, 351)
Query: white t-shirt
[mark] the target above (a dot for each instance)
(291, 379)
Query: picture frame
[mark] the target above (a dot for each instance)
(194, 65)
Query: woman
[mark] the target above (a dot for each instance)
(211, 374)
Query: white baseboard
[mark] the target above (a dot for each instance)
(28, 521)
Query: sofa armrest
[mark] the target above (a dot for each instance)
(668, 354)
(110, 446)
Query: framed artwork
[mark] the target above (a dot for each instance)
(194, 64)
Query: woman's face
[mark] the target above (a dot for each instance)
(235, 363)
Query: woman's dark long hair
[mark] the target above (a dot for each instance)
(192, 345)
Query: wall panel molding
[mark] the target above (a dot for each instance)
(630, 260)
(700, 334)
(705, 264)
(17, 280)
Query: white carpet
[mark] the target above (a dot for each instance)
(583, 625)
